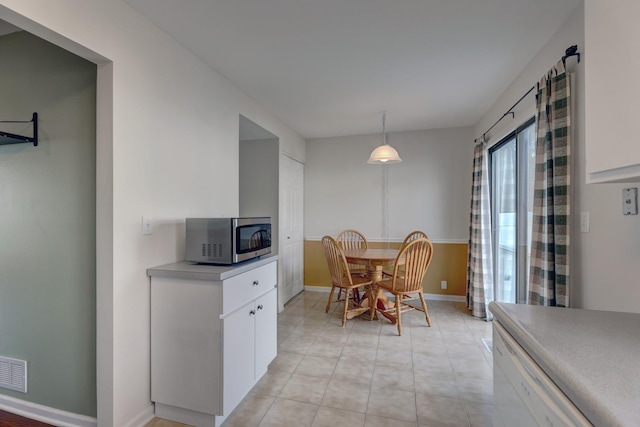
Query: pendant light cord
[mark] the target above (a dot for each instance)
(385, 202)
(384, 134)
(385, 186)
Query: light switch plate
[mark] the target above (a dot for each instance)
(147, 225)
(630, 201)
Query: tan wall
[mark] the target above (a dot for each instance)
(449, 263)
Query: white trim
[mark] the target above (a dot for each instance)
(140, 420)
(400, 240)
(443, 297)
(45, 414)
(292, 157)
(433, 297)
(325, 289)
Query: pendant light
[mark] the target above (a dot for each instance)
(384, 154)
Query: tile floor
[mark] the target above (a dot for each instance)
(365, 375)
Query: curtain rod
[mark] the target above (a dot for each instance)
(571, 51)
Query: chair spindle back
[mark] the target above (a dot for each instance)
(336, 261)
(412, 236)
(417, 257)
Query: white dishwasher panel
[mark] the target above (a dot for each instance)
(523, 393)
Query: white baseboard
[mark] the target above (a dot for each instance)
(45, 414)
(442, 297)
(433, 297)
(317, 289)
(142, 418)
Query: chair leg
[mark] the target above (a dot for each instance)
(346, 307)
(333, 288)
(424, 308)
(399, 313)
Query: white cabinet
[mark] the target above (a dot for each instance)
(612, 64)
(266, 332)
(211, 340)
(246, 360)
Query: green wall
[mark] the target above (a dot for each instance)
(47, 223)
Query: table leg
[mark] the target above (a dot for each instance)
(377, 294)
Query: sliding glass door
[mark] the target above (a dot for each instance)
(512, 163)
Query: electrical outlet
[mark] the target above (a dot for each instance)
(630, 201)
(443, 284)
(584, 222)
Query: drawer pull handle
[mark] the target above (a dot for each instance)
(252, 312)
(256, 282)
(260, 307)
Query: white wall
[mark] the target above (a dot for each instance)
(604, 264)
(259, 182)
(167, 137)
(430, 190)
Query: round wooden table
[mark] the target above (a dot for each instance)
(374, 260)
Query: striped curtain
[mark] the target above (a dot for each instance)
(549, 271)
(480, 259)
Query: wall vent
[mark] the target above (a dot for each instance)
(13, 374)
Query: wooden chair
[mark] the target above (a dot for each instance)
(406, 285)
(410, 237)
(342, 279)
(353, 239)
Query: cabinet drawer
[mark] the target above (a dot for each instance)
(240, 289)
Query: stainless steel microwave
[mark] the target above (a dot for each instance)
(227, 240)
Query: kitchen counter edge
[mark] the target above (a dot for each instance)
(208, 272)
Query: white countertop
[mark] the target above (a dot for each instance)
(209, 272)
(592, 356)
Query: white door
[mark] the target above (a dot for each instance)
(292, 235)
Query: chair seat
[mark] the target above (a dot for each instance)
(359, 280)
(387, 285)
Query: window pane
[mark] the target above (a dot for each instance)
(504, 190)
(527, 171)
(512, 185)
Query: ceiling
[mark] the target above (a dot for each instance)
(331, 67)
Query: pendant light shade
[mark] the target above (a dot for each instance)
(384, 154)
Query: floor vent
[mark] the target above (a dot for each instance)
(13, 374)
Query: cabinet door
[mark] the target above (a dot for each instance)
(611, 92)
(266, 332)
(239, 350)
